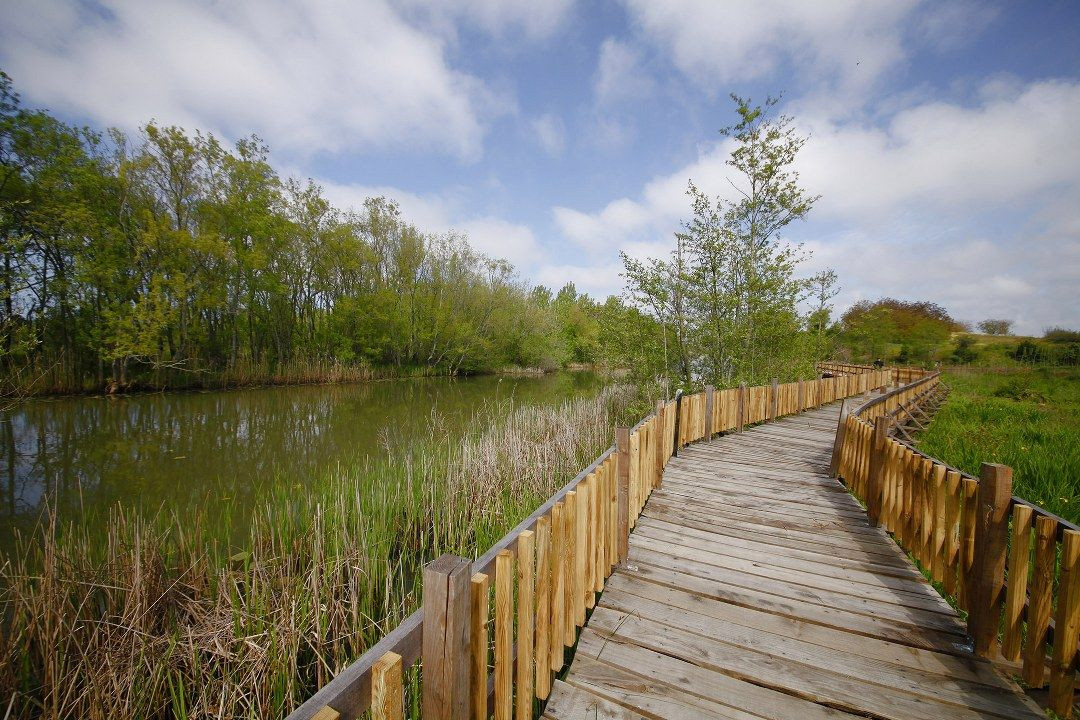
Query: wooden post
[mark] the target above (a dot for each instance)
(660, 435)
(838, 442)
(526, 614)
(504, 635)
(710, 398)
(774, 408)
(988, 563)
(876, 485)
(543, 606)
(1042, 598)
(800, 404)
(741, 416)
(622, 481)
(446, 641)
(387, 693)
(1066, 625)
(678, 422)
(479, 666)
(1016, 592)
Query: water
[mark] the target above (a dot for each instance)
(177, 452)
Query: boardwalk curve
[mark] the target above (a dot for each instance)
(754, 587)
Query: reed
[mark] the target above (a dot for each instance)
(160, 618)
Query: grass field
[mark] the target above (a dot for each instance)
(1022, 416)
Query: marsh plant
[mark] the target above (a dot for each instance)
(156, 618)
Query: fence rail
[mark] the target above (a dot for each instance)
(1003, 558)
(482, 655)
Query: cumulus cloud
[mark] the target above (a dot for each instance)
(437, 213)
(497, 17)
(849, 42)
(619, 73)
(308, 77)
(907, 207)
(550, 133)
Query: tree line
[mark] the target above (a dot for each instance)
(169, 259)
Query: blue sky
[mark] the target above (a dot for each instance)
(944, 136)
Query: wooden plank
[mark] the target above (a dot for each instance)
(558, 596)
(1039, 604)
(543, 608)
(760, 668)
(788, 627)
(572, 703)
(988, 565)
(879, 627)
(1016, 591)
(569, 520)
(580, 539)
(387, 692)
(478, 674)
(504, 639)
(526, 609)
(995, 699)
(446, 652)
(1067, 625)
(622, 482)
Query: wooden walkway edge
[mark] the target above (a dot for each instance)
(754, 587)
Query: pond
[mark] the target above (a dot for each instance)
(176, 452)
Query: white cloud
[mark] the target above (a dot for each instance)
(848, 42)
(550, 133)
(322, 76)
(619, 73)
(537, 20)
(905, 206)
(436, 213)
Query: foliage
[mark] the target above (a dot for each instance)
(965, 352)
(996, 327)
(1061, 335)
(897, 330)
(727, 298)
(168, 259)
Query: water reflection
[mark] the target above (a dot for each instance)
(177, 451)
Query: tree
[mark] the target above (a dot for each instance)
(897, 330)
(729, 291)
(823, 288)
(996, 327)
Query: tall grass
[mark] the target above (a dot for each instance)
(1025, 417)
(156, 619)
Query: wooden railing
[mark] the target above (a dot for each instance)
(481, 657)
(958, 527)
(898, 375)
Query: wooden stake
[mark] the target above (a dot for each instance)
(446, 641)
(387, 693)
(543, 606)
(525, 619)
(479, 641)
(988, 564)
(1016, 591)
(504, 635)
(1066, 626)
(1039, 604)
(622, 516)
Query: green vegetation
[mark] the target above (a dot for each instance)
(157, 619)
(728, 298)
(1025, 417)
(170, 260)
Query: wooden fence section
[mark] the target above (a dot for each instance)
(1006, 575)
(493, 633)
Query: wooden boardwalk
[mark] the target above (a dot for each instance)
(755, 588)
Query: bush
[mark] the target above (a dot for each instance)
(965, 351)
(1061, 335)
(1028, 351)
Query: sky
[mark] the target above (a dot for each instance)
(943, 137)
